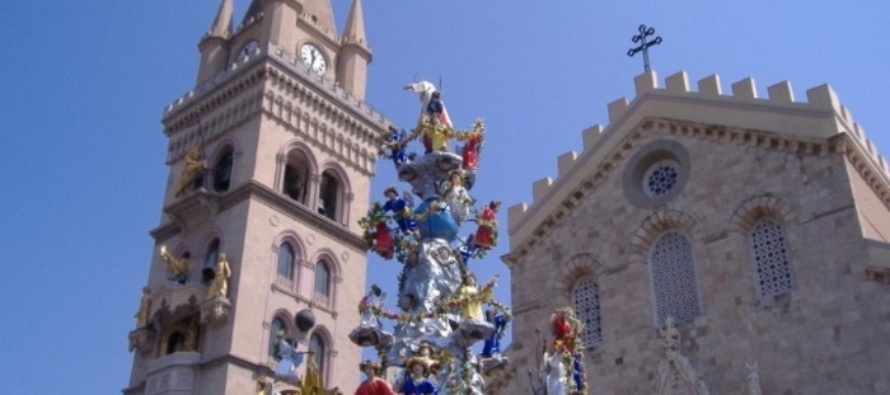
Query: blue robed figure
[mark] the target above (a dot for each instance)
(492, 345)
(416, 382)
(401, 210)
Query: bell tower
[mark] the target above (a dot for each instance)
(270, 157)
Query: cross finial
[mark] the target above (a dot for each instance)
(644, 45)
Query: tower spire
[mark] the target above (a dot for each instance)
(222, 24)
(354, 32)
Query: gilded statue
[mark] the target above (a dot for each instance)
(144, 308)
(219, 287)
(177, 268)
(195, 166)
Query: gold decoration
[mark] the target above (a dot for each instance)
(176, 267)
(219, 287)
(195, 166)
(144, 308)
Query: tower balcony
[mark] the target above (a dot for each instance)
(172, 374)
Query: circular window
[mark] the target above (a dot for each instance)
(656, 173)
(660, 178)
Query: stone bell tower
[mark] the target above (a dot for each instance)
(270, 156)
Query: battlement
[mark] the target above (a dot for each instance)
(817, 119)
(292, 63)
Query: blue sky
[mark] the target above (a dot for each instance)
(83, 151)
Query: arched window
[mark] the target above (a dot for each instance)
(586, 302)
(673, 279)
(770, 256)
(323, 280)
(175, 343)
(296, 176)
(222, 171)
(316, 345)
(209, 269)
(276, 328)
(286, 261)
(329, 195)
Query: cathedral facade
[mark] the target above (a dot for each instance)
(711, 242)
(270, 158)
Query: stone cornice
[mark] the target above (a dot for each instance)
(568, 192)
(335, 100)
(277, 201)
(862, 160)
(184, 111)
(295, 211)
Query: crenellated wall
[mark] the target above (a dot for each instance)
(740, 116)
(740, 161)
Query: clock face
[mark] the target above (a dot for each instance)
(313, 58)
(248, 49)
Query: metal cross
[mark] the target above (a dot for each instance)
(644, 45)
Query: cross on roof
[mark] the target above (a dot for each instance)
(644, 45)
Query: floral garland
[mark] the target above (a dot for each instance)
(569, 357)
(444, 307)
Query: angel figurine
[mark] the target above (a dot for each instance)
(177, 268)
(374, 298)
(394, 146)
(377, 235)
(487, 233)
(472, 146)
(401, 209)
(456, 196)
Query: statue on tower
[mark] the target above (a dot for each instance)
(219, 286)
(177, 268)
(195, 166)
(144, 309)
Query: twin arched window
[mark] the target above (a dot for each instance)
(298, 186)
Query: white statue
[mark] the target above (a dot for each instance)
(675, 373)
(457, 198)
(753, 379)
(554, 372)
(374, 299)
